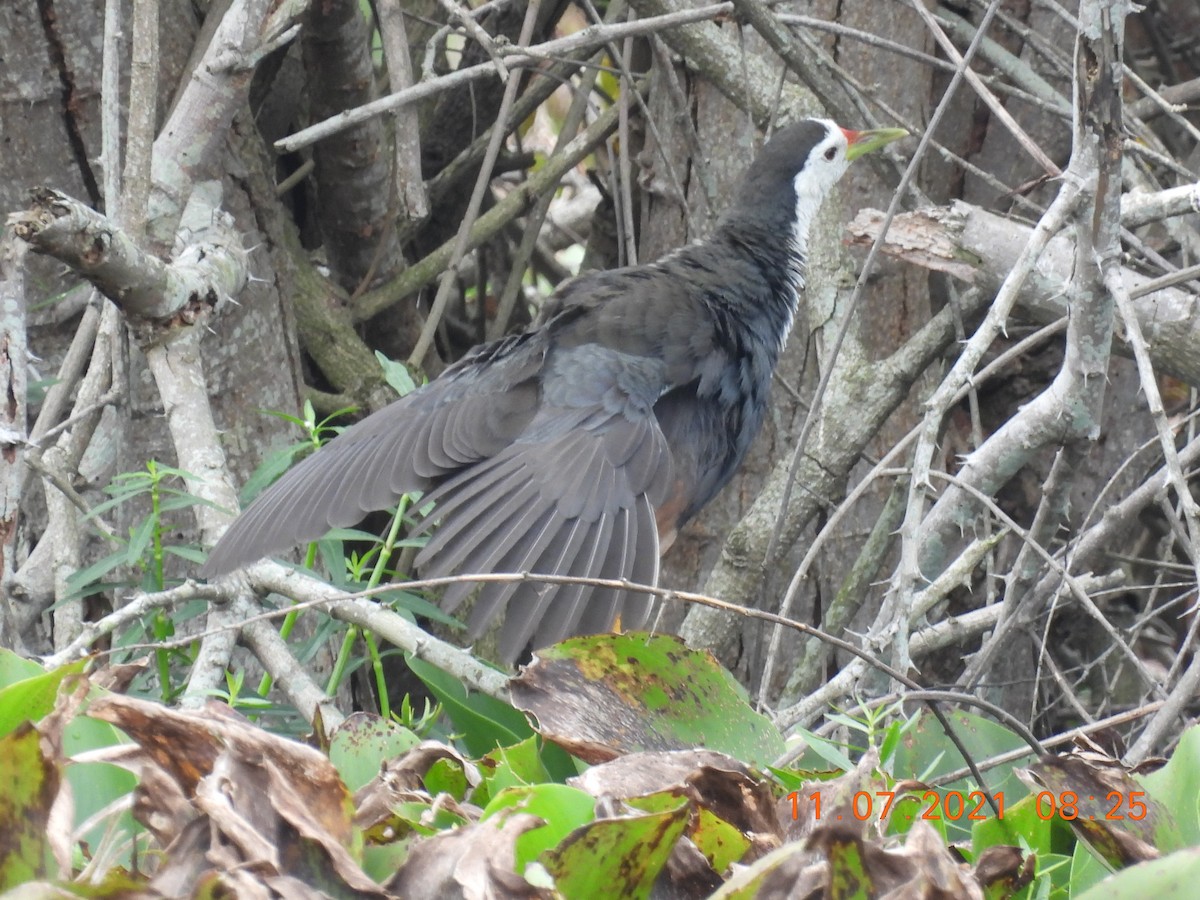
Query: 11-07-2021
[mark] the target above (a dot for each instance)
(972, 806)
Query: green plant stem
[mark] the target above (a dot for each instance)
(377, 573)
(315, 431)
(343, 660)
(156, 512)
(161, 628)
(385, 707)
(389, 544)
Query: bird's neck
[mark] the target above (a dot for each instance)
(776, 254)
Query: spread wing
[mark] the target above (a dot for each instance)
(469, 414)
(575, 500)
(539, 458)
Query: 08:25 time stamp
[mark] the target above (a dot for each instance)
(974, 806)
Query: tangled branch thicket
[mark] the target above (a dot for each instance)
(980, 462)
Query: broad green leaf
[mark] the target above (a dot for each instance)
(31, 698)
(610, 694)
(483, 722)
(446, 776)
(14, 668)
(1177, 787)
(925, 752)
(1049, 838)
(721, 843)
(562, 808)
(849, 877)
(514, 766)
(619, 857)
(1174, 877)
(31, 783)
(363, 743)
(1086, 870)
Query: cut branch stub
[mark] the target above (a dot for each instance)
(158, 297)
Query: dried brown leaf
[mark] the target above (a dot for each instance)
(473, 863)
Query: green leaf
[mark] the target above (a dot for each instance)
(191, 554)
(139, 540)
(97, 785)
(1086, 870)
(721, 842)
(610, 694)
(31, 783)
(396, 374)
(484, 723)
(1174, 877)
(1177, 787)
(925, 753)
(849, 878)
(516, 766)
(31, 698)
(423, 817)
(14, 668)
(175, 501)
(1049, 838)
(407, 601)
(363, 743)
(826, 750)
(891, 740)
(79, 582)
(619, 857)
(446, 776)
(562, 808)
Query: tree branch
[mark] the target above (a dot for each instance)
(982, 248)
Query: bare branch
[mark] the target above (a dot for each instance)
(517, 201)
(13, 384)
(141, 284)
(411, 187)
(462, 240)
(186, 149)
(590, 37)
(139, 134)
(983, 249)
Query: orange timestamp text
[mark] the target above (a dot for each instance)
(974, 806)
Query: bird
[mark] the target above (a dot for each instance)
(581, 446)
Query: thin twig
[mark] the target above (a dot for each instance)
(424, 342)
(1028, 144)
(1166, 435)
(588, 38)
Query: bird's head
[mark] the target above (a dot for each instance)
(795, 171)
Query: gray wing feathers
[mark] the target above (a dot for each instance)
(563, 506)
(518, 485)
(401, 448)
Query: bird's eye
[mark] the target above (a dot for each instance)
(831, 153)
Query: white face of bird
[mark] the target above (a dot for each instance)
(827, 162)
